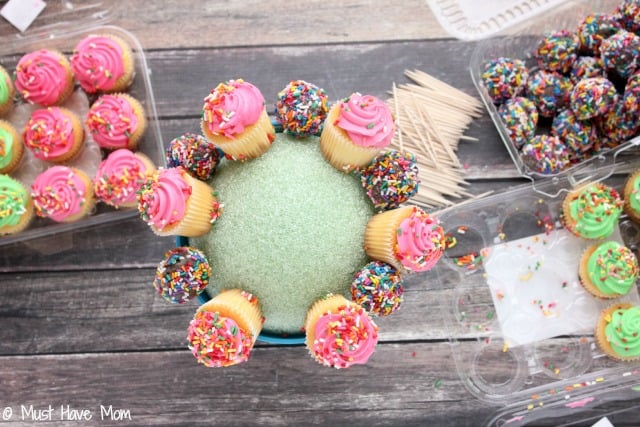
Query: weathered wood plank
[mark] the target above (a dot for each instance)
(160, 24)
(413, 384)
(118, 310)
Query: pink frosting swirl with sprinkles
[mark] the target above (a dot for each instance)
(41, 77)
(49, 133)
(97, 63)
(420, 241)
(162, 199)
(111, 121)
(231, 107)
(345, 337)
(367, 120)
(119, 177)
(217, 341)
(58, 193)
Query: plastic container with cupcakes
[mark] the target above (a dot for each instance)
(528, 275)
(78, 123)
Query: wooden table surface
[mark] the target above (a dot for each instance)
(80, 326)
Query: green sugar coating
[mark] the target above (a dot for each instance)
(291, 230)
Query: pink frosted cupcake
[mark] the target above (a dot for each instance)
(407, 238)
(44, 77)
(103, 63)
(120, 176)
(54, 134)
(174, 203)
(63, 194)
(234, 118)
(224, 329)
(339, 333)
(355, 131)
(116, 121)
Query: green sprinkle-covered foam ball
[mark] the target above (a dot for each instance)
(292, 230)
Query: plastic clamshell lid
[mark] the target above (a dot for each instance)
(54, 29)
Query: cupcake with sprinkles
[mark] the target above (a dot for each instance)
(620, 53)
(520, 116)
(608, 270)
(103, 63)
(224, 329)
(631, 196)
(339, 333)
(44, 77)
(11, 148)
(355, 131)
(116, 121)
(182, 275)
(194, 153)
(391, 179)
(7, 91)
(63, 194)
(550, 91)
(617, 332)
(545, 154)
(301, 108)
(407, 238)
(54, 134)
(377, 288)
(557, 51)
(119, 177)
(173, 203)
(504, 78)
(16, 206)
(578, 135)
(592, 211)
(234, 118)
(593, 97)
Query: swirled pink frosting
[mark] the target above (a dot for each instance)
(231, 107)
(420, 241)
(162, 199)
(119, 177)
(344, 337)
(49, 133)
(111, 121)
(58, 193)
(41, 77)
(97, 63)
(217, 341)
(367, 120)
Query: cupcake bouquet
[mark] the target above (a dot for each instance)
(301, 234)
(70, 133)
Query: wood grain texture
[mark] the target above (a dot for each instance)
(82, 326)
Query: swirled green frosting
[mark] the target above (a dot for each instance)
(6, 147)
(13, 200)
(623, 331)
(613, 268)
(596, 211)
(4, 89)
(634, 197)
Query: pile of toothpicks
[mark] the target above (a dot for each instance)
(432, 118)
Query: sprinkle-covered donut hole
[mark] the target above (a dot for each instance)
(291, 232)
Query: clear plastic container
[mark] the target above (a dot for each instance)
(512, 296)
(520, 42)
(54, 30)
